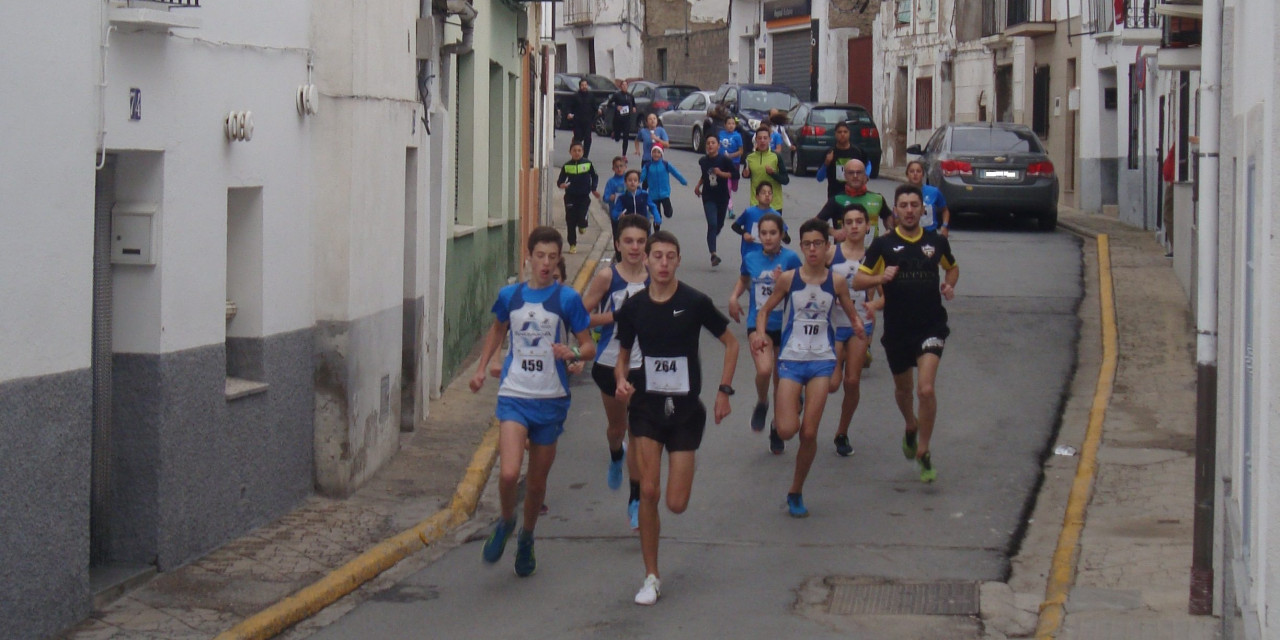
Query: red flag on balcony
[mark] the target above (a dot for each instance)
(1119, 11)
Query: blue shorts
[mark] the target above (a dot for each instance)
(844, 333)
(803, 371)
(543, 417)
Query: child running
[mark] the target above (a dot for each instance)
(731, 147)
(579, 180)
(612, 189)
(852, 352)
(636, 201)
(533, 397)
(608, 290)
(713, 188)
(808, 357)
(751, 217)
(656, 175)
(760, 272)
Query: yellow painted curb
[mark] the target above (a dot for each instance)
(1062, 571)
(584, 275)
(347, 578)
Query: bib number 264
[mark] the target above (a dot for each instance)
(665, 366)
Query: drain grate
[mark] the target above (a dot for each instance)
(933, 598)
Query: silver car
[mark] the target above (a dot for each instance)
(684, 122)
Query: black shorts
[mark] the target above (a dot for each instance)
(902, 351)
(774, 334)
(603, 375)
(681, 431)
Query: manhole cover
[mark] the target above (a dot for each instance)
(937, 599)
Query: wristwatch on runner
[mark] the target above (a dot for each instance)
(726, 389)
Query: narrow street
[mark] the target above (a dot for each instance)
(735, 551)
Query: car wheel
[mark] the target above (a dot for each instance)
(797, 167)
(601, 128)
(696, 140)
(1048, 220)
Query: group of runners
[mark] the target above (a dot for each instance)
(810, 319)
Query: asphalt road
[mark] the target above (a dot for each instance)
(735, 565)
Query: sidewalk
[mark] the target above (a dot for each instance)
(1132, 576)
(251, 573)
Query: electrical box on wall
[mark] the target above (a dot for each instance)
(133, 233)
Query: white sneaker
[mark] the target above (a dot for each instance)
(649, 592)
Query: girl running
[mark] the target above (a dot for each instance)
(936, 216)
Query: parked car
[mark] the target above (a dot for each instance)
(812, 128)
(992, 168)
(566, 85)
(750, 103)
(657, 98)
(684, 123)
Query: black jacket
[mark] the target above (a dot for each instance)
(615, 104)
(583, 108)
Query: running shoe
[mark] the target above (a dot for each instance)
(497, 542)
(573, 248)
(715, 260)
(615, 470)
(633, 513)
(776, 445)
(866, 364)
(526, 564)
(909, 445)
(731, 214)
(927, 472)
(795, 506)
(582, 229)
(649, 591)
(758, 415)
(842, 445)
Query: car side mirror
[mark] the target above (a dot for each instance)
(915, 150)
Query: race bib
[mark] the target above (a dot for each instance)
(531, 362)
(809, 335)
(666, 375)
(764, 289)
(839, 171)
(624, 110)
(713, 179)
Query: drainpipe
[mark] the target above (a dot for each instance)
(467, 14)
(1201, 600)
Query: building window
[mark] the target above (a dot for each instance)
(1040, 102)
(1135, 110)
(662, 64)
(924, 103)
(904, 11)
(927, 9)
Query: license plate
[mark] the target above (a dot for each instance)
(1000, 174)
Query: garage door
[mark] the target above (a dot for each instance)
(791, 58)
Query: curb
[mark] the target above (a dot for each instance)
(1065, 556)
(313, 598)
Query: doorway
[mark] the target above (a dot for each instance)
(861, 58)
(1004, 93)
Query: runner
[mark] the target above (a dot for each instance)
(905, 263)
(635, 200)
(579, 181)
(622, 105)
(533, 397)
(879, 214)
(936, 216)
(606, 293)
(713, 188)
(656, 176)
(731, 146)
(746, 224)
(665, 320)
(760, 271)
(832, 169)
(763, 165)
(651, 135)
(808, 358)
(612, 189)
(844, 259)
(582, 113)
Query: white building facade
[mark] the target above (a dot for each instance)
(600, 36)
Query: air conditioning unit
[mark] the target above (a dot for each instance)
(427, 48)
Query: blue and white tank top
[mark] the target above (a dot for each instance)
(531, 369)
(759, 267)
(607, 348)
(808, 335)
(846, 267)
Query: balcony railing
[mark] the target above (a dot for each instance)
(1104, 16)
(1023, 11)
(1141, 14)
(578, 12)
(994, 14)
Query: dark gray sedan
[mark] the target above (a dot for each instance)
(992, 168)
(684, 122)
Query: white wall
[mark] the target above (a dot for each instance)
(617, 27)
(49, 75)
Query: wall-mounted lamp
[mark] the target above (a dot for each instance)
(238, 125)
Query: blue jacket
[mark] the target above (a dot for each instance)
(638, 203)
(655, 175)
(616, 185)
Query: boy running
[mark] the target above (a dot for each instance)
(905, 263)
(731, 147)
(713, 188)
(579, 180)
(665, 320)
(606, 293)
(808, 357)
(636, 201)
(533, 397)
(851, 351)
(763, 165)
(760, 272)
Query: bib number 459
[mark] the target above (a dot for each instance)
(531, 365)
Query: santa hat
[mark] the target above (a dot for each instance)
(657, 149)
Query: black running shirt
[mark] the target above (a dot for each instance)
(668, 333)
(913, 299)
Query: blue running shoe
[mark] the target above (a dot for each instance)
(526, 564)
(795, 506)
(633, 513)
(497, 542)
(615, 473)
